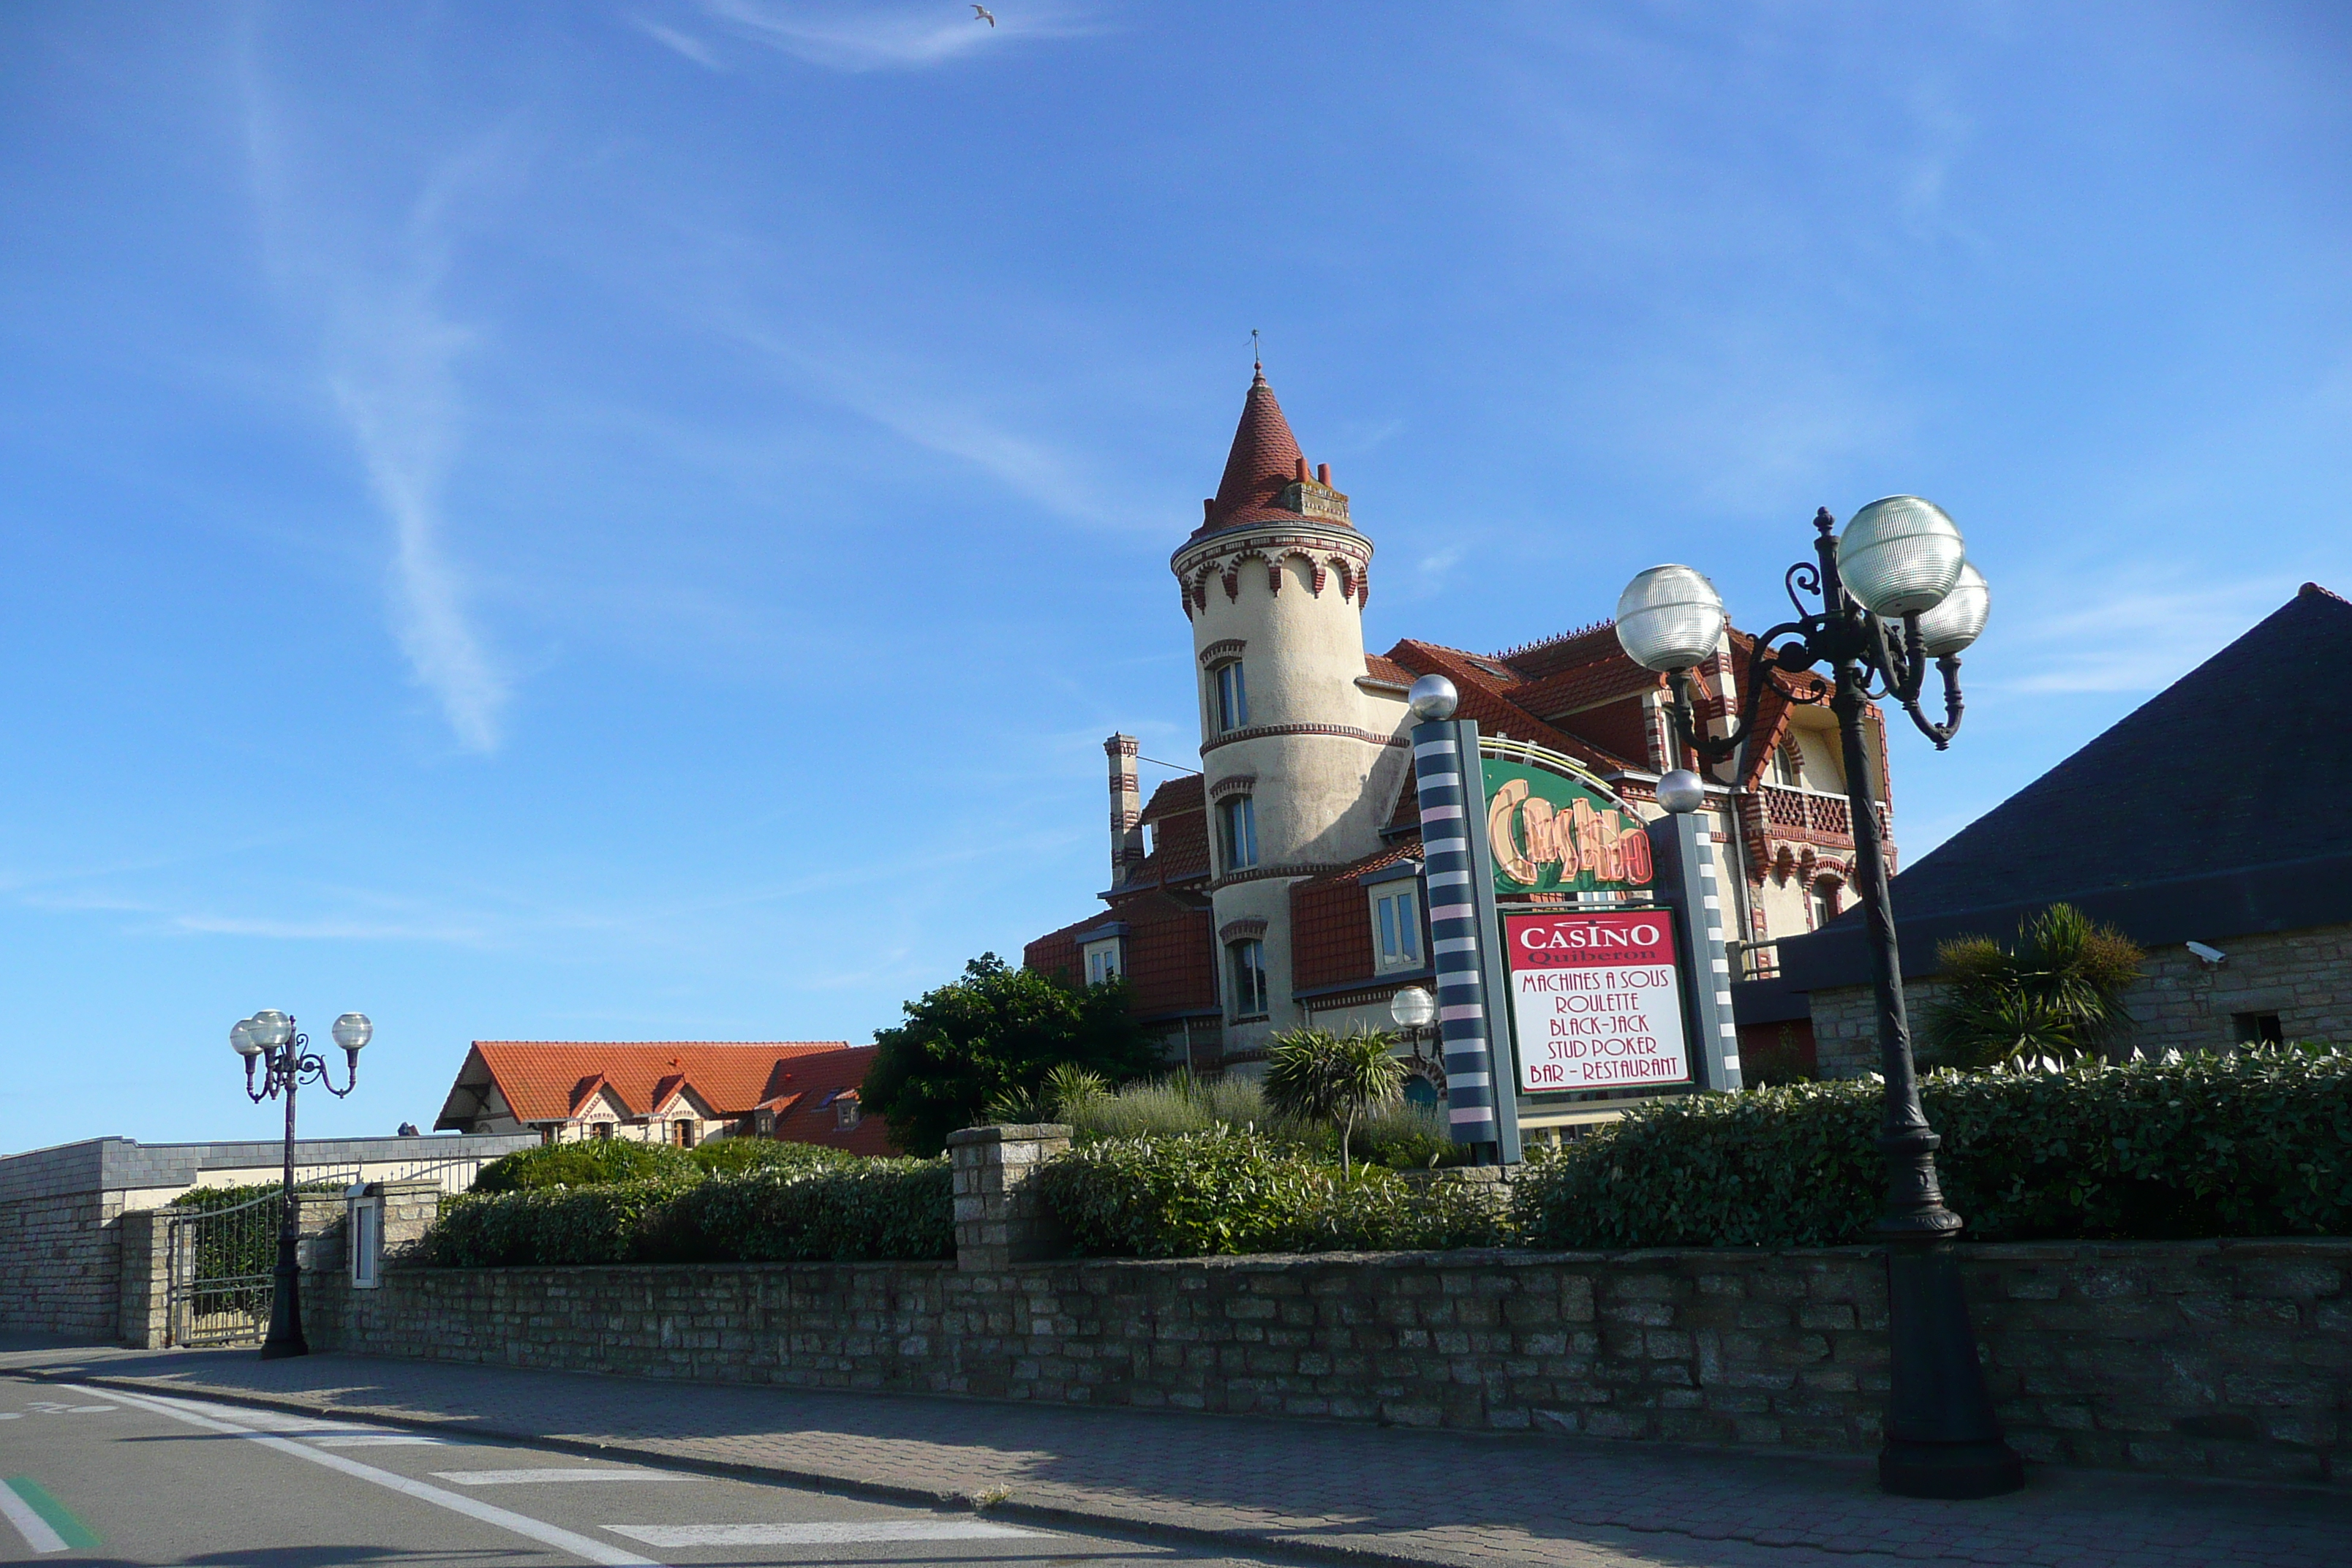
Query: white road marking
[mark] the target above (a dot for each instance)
(377, 1440)
(30, 1525)
(815, 1534)
(520, 1477)
(195, 1413)
(11, 1415)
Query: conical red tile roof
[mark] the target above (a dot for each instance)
(1265, 458)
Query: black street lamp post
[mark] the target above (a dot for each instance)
(1895, 592)
(269, 1039)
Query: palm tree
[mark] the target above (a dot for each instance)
(2056, 991)
(1315, 1074)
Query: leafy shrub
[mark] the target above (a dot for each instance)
(871, 1209)
(2255, 1144)
(864, 1209)
(1222, 1191)
(1317, 1076)
(2055, 991)
(594, 1162)
(741, 1156)
(1399, 1134)
(595, 1224)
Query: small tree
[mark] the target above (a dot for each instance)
(998, 1031)
(1315, 1074)
(2056, 991)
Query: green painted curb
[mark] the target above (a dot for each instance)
(71, 1530)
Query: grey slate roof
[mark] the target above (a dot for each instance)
(2220, 807)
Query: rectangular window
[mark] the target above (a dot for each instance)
(1237, 823)
(1102, 962)
(2256, 1029)
(1246, 960)
(1396, 927)
(1233, 697)
(367, 1243)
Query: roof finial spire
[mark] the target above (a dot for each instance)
(1257, 360)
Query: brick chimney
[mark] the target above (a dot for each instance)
(1126, 809)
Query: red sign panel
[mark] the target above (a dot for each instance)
(1596, 999)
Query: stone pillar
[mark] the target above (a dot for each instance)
(1000, 1215)
(144, 1313)
(409, 1210)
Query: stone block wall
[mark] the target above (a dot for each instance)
(2184, 1358)
(1001, 1217)
(2179, 1003)
(60, 1272)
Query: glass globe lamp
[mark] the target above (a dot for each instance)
(1669, 618)
(269, 1028)
(1433, 697)
(1959, 619)
(1900, 556)
(1681, 791)
(241, 1040)
(352, 1030)
(1412, 1008)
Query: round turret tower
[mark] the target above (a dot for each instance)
(1301, 762)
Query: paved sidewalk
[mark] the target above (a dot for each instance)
(1286, 1487)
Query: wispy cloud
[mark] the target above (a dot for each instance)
(868, 37)
(2139, 640)
(390, 350)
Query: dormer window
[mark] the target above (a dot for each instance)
(1237, 832)
(1396, 926)
(845, 1113)
(1102, 962)
(1232, 697)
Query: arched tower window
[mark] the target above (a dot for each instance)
(1246, 976)
(1232, 697)
(1237, 832)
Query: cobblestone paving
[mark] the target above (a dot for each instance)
(1295, 1487)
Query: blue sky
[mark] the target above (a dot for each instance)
(632, 520)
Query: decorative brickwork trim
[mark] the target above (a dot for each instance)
(1345, 731)
(1260, 873)
(1233, 930)
(1219, 651)
(1240, 784)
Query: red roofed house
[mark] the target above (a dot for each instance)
(1280, 886)
(671, 1091)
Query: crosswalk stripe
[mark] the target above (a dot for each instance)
(817, 1534)
(524, 1478)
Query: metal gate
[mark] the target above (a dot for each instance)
(221, 1266)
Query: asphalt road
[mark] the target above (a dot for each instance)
(91, 1475)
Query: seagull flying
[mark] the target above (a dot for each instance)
(982, 13)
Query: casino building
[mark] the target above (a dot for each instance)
(1281, 885)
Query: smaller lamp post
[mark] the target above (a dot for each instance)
(270, 1040)
(1414, 1010)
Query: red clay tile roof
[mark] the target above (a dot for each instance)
(1265, 458)
(1178, 821)
(1384, 668)
(542, 1080)
(1482, 698)
(1172, 959)
(1536, 660)
(820, 1083)
(1331, 924)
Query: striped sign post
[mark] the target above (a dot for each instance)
(1481, 1093)
(1687, 885)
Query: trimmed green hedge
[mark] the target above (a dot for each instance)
(871, 1209)
(595, 1162)
(874, 1209)
(741, 1156)
(1223, 1193)
(2258, 1144)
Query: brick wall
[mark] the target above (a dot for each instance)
(2177, 1003)
(2188, 1358)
